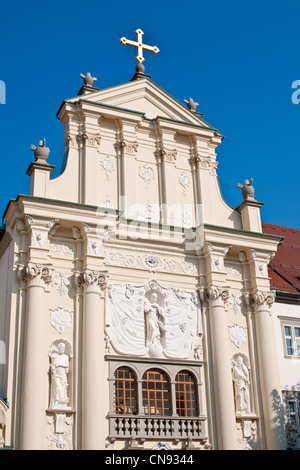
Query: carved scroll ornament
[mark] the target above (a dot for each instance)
(90, 277)
(259, 299)
(214, 293)
(32, 270)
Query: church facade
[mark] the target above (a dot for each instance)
(136, 306)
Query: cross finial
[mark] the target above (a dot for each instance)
(140, 46)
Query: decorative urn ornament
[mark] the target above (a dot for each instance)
(41, 153)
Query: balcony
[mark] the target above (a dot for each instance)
(156, 427)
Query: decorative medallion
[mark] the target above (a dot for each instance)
(147, 174)
(61, 318)
(238, 334)
(152, 261)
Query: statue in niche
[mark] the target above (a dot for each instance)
(240, 376)
(59, 369)
(155, 325)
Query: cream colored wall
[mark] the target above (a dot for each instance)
(94, 132)
(289, 367)
(107, 147)
(68, 251)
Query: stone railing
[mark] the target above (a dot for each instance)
(156, 427)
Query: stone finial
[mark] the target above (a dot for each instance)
(191, 104)
(88, 80)
(247, 190)
(41, 152)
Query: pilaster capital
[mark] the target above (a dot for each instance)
(214, 295)
(127, 146)
(91, 279)
(38, 231)
(40, 273)
(164, 154)
(259, 300)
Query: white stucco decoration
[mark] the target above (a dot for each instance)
(238, 334)
(62, 282)
(108, 167)
(185, 181)
(39, 239)
(59, 353)
(148, 211)
(61, 318)
(108, 202)
(146, 172)
(151, 319)
(241, 379)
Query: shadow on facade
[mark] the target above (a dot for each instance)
(278, 421)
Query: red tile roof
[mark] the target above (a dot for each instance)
(284, 268)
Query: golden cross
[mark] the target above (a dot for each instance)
(140, 46)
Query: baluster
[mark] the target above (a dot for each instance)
(167, 427)
(147, 426)
(189, 428)
(126, 427)
(116, 426)
(141, 426)
(155, 427)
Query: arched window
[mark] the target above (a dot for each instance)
(156, 393)
(186, 400)
(125, 392)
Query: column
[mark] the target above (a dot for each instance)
(93, 373)
(221, 367)
(34, 394)
(268, 370)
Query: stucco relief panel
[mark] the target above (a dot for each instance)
(152, 262)
(151, 319)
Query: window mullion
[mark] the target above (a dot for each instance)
(173, 399)
(140, 407)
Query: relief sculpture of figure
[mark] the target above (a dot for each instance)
(155, 320)
(59, 377)
(240, 377)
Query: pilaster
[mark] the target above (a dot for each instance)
(93, 284)
(36, 276)
(166, 157)
(127, 146)
(261, 301)
(88, 140)
(216, 296)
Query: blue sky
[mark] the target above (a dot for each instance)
(238, 60)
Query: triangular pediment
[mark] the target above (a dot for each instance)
(146, 97)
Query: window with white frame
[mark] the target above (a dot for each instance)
(291, 334)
